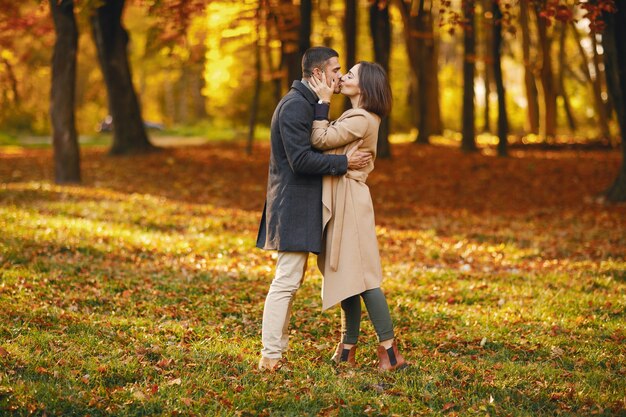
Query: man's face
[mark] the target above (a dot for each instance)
(332, 73)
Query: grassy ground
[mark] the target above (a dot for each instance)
(140, 292)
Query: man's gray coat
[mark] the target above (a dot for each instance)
(292, 216)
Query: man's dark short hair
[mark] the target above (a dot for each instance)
(316, 57)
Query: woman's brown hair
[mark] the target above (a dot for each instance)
(375, 89)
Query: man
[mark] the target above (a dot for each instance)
(292, 216)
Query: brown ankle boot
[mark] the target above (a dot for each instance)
(344, 355)
(390, 359)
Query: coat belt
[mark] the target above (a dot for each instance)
(338, 201)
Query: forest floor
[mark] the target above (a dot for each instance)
(140, 291)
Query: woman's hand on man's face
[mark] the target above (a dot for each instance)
(321, 87)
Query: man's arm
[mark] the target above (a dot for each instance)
(295, 121)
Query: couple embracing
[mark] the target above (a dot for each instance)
(317, 202)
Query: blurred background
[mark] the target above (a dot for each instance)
(211, 68)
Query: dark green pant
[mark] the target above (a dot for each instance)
(377, 309)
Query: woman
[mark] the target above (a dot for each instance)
(350, 262)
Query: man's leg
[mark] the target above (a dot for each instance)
(285, 339)
(290, 268)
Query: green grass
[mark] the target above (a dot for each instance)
(134, 304)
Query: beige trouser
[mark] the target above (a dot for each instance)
(290, 269)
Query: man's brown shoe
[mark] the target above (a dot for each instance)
(267, 364)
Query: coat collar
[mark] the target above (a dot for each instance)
(305, 91)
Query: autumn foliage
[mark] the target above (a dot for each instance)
(140, 292)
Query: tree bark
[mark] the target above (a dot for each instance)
(593, 82)
(488, 59)
(503, 125)
(288, 20)
(274, 68)
(561, 88)
(529, 75)
(468, 141)
(129, 134)
(422, 52)
(380, 28)
(547, 77)
(615, 56)
(430, 115)
(254, 107)
(305, 26)
(412, 48)
(13, 80)
(349, 30)
(62, 94)
(603, 118)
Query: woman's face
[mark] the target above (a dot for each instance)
(350, 82)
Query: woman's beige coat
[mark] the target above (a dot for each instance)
(349, 262)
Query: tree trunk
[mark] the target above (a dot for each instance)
(593, 82)
(199, 103)
(615, 55)
(422, 52)
(432, 55)
(468, 141)
(529, 76)
(503, 125)
(254, 108)
(349, 30)
(182, 95)
(547, 77)
(412, 48)
(603, 119)
(380, 28)
(275, 69)
(488, 59)
(289, 34)
(305, 26)
(62, 93)
(13, 81)
(428, 82)
(129, 134)
(561, 88)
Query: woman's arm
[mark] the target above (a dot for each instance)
(327, 135)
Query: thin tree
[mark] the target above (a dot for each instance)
(254, 107)
(468, 140)
(503, 125)
(380, 28)
(546, 73)
(423, 60)
(615, 59)
(529, 72)
(593, 80)
(62, 105)
(603, 116)
(349, 28)
(488, 59)
(111, 38)
(288, 26)
(304, 40)
(561, 74)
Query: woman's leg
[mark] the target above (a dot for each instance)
(378, 311)
(351, 319)
(389, 358)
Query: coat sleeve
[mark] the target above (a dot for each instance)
(327, 136)
(295, 129)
